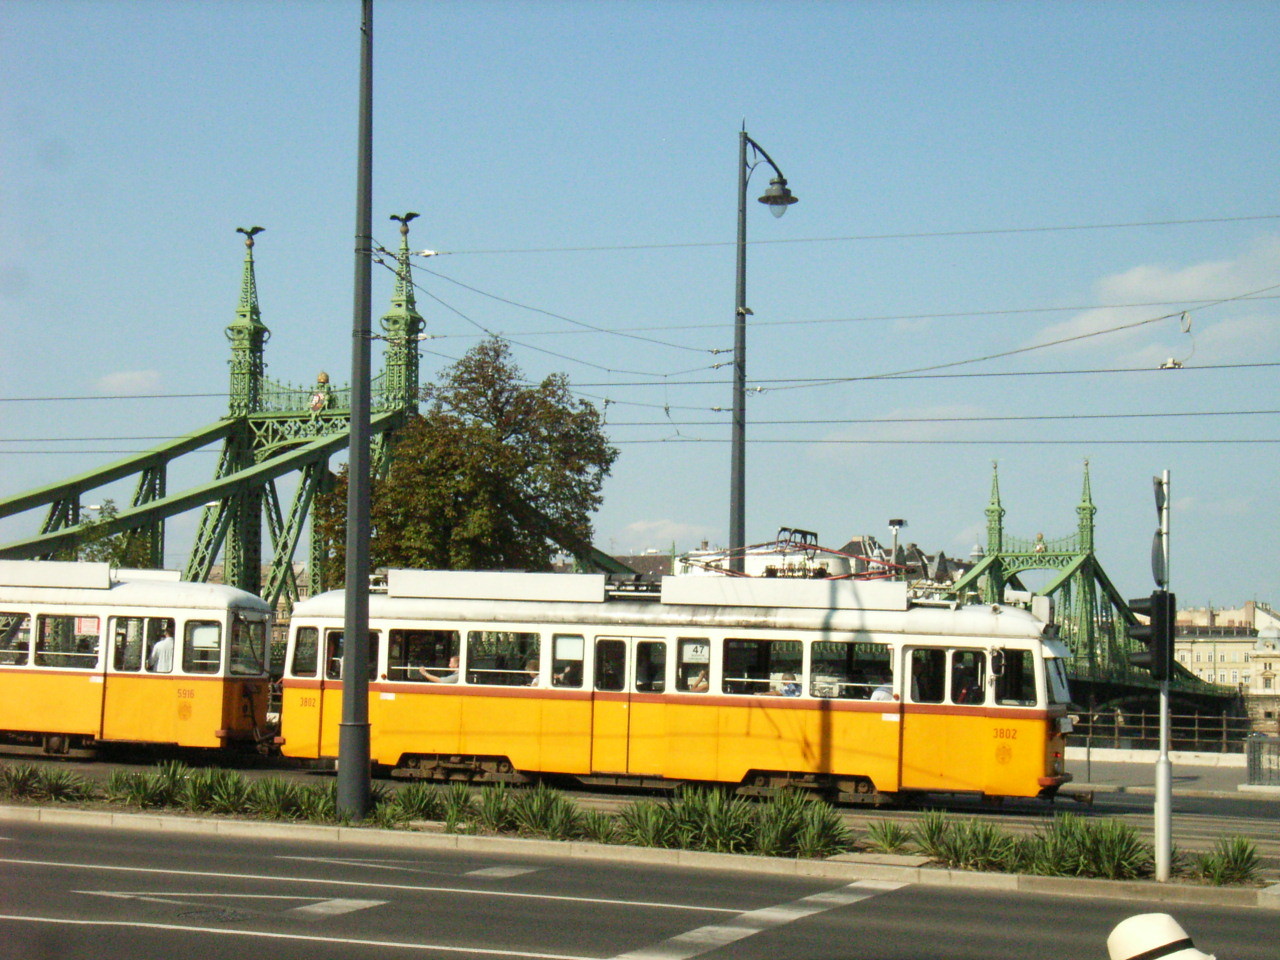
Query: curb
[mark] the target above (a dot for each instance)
(848, 867)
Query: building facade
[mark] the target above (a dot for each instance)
(1237, 648)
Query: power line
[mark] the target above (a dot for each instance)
(1010, 419)
(556, 316)
(1094, 371)
(951, 315)
(949, 442)
(996, 231)
(505, 339)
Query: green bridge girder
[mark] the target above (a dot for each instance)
(272, 430)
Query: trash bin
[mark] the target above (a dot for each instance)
(1264, 760)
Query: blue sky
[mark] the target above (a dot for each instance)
(581, 159)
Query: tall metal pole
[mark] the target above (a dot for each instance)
(1163, 813)
(737, 469)
(353, 732)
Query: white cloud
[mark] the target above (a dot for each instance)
(127, 382)
(1217, 333)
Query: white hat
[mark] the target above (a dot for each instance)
(1152, 936)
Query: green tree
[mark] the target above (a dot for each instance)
(493, 476)
(131, 549)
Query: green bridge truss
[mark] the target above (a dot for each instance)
(1091, 614)
(271, 430)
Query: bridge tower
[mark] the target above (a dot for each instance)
(1089, 610)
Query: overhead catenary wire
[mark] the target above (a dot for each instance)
(918, 235)
(527, 346)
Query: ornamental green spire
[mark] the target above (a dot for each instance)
(248, 335)
(402, 325)
(1085, 513)
(995, 515)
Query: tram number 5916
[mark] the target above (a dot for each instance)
(186, 693)
(1004, 733)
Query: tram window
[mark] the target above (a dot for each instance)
(1016, 681)
(202, 646)
(136, 641)
(567, 652)
(651, 666)
(692, 671)
(851, 670)
(67, 641)
(306, 646)
(248, 647)
(757, 666)
(611, 664)
(504, 658)
(968, 676)
(333, 654)
(410, 653)
(1056, 672)
(15, 639)
(928, 675)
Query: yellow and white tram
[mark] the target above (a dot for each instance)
(842, 686)
(89, 654)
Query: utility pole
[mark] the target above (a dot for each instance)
(353, 731)
(1164, 768)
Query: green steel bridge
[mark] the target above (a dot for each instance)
(1093, 617)
(271, 430)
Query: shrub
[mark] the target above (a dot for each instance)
(778, 823)
(822, 832)
(63, 786)
(546, 812)
(931, 832)
(711, 820)
(646, 823)
(495, 810)
(318, 803)
(599, 827)
(19, 780)
(458, 806)
(1232, 860)
(888, 836)
(421, 801)
(274, 798)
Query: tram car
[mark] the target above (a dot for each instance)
(92, 655)
(846, 688)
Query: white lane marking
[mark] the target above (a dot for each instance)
(332, 908)
(221, 931)
(374, 864)
(319, 908)
(714, 936)
(501, 873)
(414, 888)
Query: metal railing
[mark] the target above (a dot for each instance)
(1140, 730)
(1263, 757)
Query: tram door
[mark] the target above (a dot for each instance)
(611, 705)
(627, 728)
(942, 722)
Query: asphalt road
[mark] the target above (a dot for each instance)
(86, 892)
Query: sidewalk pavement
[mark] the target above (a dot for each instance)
(1106, 770)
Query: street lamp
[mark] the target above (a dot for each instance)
(895, 525)
(777, 198)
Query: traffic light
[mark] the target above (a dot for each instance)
(1156, 635)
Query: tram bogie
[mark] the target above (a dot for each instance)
(841, 688)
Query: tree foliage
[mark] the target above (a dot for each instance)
(487, 479)
(131, 549)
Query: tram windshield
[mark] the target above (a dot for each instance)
(248, 646)
(1056, 671)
